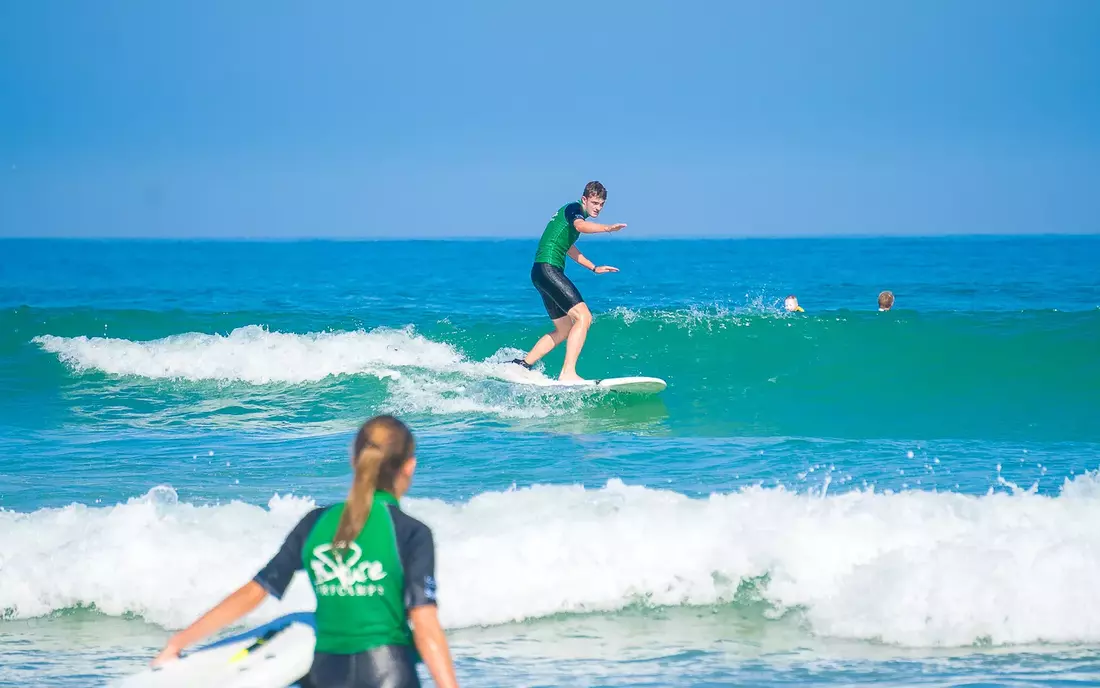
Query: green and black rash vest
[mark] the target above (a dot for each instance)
(364, 592)
(560, 235)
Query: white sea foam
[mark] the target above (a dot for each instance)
(255, 355)
(708, 318)
(912, 568)
(422, 375)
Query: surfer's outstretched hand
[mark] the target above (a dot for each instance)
(601, 269)
(616, 227)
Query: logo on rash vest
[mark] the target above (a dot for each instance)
(342, 574)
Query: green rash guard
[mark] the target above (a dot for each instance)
(560, 235)
(365, 592)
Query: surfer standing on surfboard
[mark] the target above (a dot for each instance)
(564, 303)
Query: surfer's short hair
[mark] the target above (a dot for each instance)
(595, 190)
(886, 299)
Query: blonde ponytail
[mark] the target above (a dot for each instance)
(360, 496)
(382, 447)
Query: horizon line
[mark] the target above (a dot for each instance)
(497, 238)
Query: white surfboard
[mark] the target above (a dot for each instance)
(633, 385)
(630, 384)
(275, 654)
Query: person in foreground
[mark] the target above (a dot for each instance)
(372, 569)
(564, 303)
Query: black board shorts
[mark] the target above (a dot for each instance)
(389, 666)
(558, 293)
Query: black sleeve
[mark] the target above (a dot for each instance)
(417, 550)
(276, 576)
(573, 212)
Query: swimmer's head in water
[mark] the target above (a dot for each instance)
(383, 459)
(595, 195)
(791, 304)
(886, 300)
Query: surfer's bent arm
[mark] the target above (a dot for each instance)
(586, 227)
(579, 257)
(244, 600)
(272, 579)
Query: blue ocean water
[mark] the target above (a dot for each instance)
(837, 496)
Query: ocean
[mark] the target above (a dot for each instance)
(836, 497)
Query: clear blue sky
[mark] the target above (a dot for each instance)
(346, 119)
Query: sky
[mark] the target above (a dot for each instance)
(479, 119)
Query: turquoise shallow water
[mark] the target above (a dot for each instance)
(836, 496)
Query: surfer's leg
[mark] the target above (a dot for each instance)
(559, 295)
(582, 320)
(548, 341)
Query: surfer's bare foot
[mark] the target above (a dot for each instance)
(571, 378)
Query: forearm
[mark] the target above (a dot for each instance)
(245, 599)
(581, 260)
(431, 643)
(586, 227)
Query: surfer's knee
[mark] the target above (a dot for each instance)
(582, 317)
